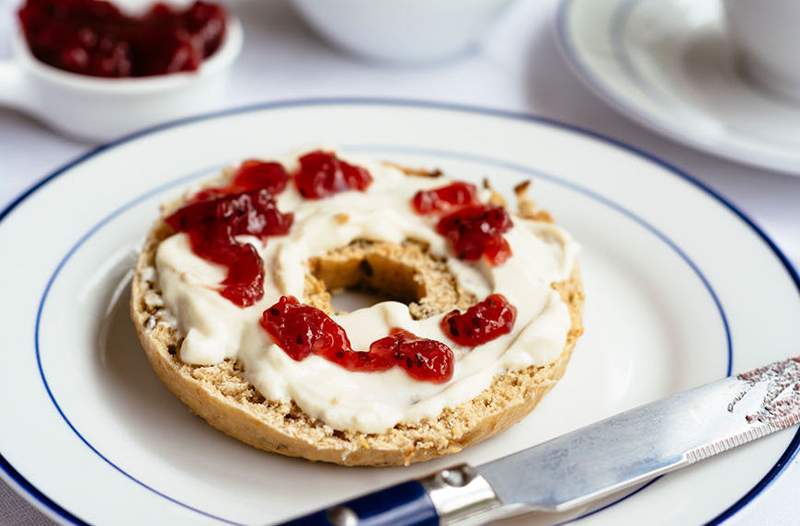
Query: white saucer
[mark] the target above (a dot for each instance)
(666, 65)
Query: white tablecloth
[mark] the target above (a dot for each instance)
(517, 67)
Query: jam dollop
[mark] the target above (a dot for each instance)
(250, 175)
(93, 37)
(322, 174)
(301, 330)
(477, 231)
(212, 226)
(445, 198)
(481, 323)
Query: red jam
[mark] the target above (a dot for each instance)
(302, 330)
(93, 37)
(477, 231)
(212, 226)
(322, 174)
(445, 198)
(481, 323)
(251, 175)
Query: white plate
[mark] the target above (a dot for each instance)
(681, 289)
(666, 65)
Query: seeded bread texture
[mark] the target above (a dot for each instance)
(406, 272)
(222, 396)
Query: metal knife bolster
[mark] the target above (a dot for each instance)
(462, 496)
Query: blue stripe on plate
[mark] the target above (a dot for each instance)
(50, 504)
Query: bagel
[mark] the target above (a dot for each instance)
(409, 271)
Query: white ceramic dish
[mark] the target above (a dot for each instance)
(96, 109)
(667, 65)
(408, 31)
(90, 435)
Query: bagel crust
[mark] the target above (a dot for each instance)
(222, 396)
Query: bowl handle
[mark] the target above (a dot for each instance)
(12, 87)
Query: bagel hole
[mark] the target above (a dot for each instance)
(352, 299)
(357, 283)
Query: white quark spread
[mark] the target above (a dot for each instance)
(373, 402)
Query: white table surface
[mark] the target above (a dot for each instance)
(517, 67)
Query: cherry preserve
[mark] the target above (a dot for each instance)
(445, 198)
(476, 231)
(481, 323)
(323, 174)
(93, 37)
(246, 206)
(302, 330)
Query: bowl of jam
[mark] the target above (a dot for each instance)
(94, 70)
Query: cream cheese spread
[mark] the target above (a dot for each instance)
(215, 329)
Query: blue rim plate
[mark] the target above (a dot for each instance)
(620, 186)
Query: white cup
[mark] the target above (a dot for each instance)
(401, 30)
(98, 109)
(765, 35)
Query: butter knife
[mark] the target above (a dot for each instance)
(595, 461)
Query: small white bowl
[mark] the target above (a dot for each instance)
(401, 30)
(99, 109)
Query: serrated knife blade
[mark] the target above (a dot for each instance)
(592, 462)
